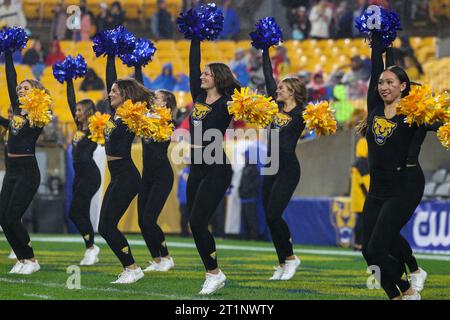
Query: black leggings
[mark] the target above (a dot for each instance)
(156, 186)
(122, 189)
(206, 187)
(416, 185)
(277, 193)
(20, 185)
(384, 216)
(85, 185)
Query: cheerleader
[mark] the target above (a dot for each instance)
(156, 185)
(22, 177)
(209, 179)
(291, 96)
(388, 205)
(87, 179)
(125, 177)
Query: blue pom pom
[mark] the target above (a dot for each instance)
(143, 53)
(114, 42)
(205, 23)
(70, 68)
(390, 24)
(267, 34)
(13, 39)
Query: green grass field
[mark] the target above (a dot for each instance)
(325, 273)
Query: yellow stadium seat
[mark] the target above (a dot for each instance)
(168, 45)
(244, 44)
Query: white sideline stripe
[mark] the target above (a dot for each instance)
(430, 256)
(34, 295)
(109, 290)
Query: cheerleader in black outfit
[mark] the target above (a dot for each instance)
(291, 95)
(87, 179)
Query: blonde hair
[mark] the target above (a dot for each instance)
(35, 85)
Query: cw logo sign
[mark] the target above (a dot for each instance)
(432, 229)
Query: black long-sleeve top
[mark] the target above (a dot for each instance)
(388, 139)
(22, 137)
(204, 116)
(290, 125)
(118, 138)
(83, 148)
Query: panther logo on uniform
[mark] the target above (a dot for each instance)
(382, 129)
(79, 135)
(110, 126)
(17, 123)
(281, 120)
(199, 113)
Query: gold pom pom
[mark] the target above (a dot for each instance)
(252, 108)
(422, 106)
(133, 115)
(164, 127)
(37, 103)
(97, 125)
(320, 117)
(443, 135)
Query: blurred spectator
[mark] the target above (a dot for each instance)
(11, 14)
(182, 83)
(411, 63)
(317, 89)
(17, 57)
(361, 5)
(162, 24)
(231, 25)
(59, 27)
(116, 16)
(165, 80)
(305, 77)
(190, 4)
(92, 81)
(256, 72)
(356, 79)
(34, 57)
(341, 104)
(281, 63)
(101, 21)
(320, 17)
(55, 54)
(360, 180)
(239, 66)
(182, 200)
(291, 8)
(248, 193)
(301, 26)
(343, 20)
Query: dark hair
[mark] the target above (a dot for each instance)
(88, 107)
(130, 89)
(403, 78)
(169, 99)
(224, 79)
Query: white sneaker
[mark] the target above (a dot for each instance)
(12, 256)
(129, 276)
(418, 280)
(213, 283)
(17, 267)
(90, 256)
(278, 273)
(29, 267)
(154, 266)
(415, 296)
(167, 264)
(290, 266)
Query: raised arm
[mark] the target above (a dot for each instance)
(111, 73)
(194, 69)
(271, 84)
(11, 79)
(71, 99)
(374, 99)
(138, 74)
(390, 61)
